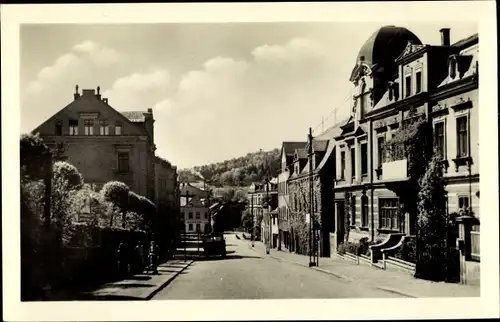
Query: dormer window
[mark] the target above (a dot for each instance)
(452, 66)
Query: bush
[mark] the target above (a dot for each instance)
(408, 252)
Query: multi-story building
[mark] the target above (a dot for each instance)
(287, 152)
(104, 144)
(256, 205)
(194, 208)
(167, 194)
(398, 79)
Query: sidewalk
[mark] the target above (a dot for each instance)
(134, 288)
(398, 282)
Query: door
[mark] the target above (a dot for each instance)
(339, 221)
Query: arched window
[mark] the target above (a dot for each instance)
(452, 66)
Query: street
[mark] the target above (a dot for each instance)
(247, 274)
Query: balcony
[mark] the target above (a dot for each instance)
(395, 170)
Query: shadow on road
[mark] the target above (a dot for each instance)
(201, 259)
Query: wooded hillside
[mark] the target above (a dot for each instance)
(236, 172)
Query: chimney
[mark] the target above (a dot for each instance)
(445, 37)
(105, 100)
(76, 95)
(98, 95)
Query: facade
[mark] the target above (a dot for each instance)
(322, 164)
(167, 192)
(102, 143)
(194, 208)
(284, 209)
(398, 79)
(256, 206)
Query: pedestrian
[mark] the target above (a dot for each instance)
(139, 250)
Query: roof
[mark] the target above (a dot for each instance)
(301, 153)
(466, 41)
(384, 46)
(320, 145)
(290, 147)
(134, 116)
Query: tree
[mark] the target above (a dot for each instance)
(33, 153)
(431, 223)
(246, 220)
(66, 181)
(117, 193)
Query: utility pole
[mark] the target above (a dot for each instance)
(253, 223)
(268, 206)
(312, 235)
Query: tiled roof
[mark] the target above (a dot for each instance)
(302, 153)
(134, 116)
(465, 41)
(291, 146)
(320, 145)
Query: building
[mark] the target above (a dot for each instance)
(256, 205)
(284, 209)
(298, 165)
(194, 208)
(167, 196)
(104, 144)
(398, 81)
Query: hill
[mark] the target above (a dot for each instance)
(237, 172)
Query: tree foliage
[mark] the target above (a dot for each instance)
(432, 223)
(33, 153)
(236, 172)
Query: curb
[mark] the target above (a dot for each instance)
(391, 290)
(162, 286)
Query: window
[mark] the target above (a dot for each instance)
(118, 129)
(197, 215)
(364, 211)
(190, 227)
(198, 227)
(353, 210)
(190, 216)
(104, 128)
(182, 215)
(73, 127)
(462, 137)
(389, 214)
(123, 162)
(364, 159)
(59, 127)
(353, 162)
(206, 215)
(408, 86)
(342, 165)
(418, 79)
(274, 220)
(89, 127)
(440, 139)
(381, 152)
(463, 202)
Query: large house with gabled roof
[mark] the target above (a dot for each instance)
(103, 143)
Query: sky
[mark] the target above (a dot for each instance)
(217, 91)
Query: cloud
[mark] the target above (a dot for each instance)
(296, 50)
(139, 91)
(230, 107)
(82, 58)
(163, 106)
